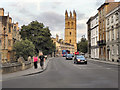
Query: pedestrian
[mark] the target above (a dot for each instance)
(35, 60)
(42, 60)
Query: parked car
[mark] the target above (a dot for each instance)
(80, 59)
(69, 56)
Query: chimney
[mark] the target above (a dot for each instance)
(1, 12)
(107, 1)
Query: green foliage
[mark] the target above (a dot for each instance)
(82, 46)
(24, 48)
(39, 35)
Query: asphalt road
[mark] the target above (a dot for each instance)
(62, 73)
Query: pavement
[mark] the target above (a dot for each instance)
(30, 71)
(101, 61)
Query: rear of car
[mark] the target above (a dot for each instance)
(69, 57)
(80, 59)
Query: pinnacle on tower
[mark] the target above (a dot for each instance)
(66, 13)
(74, 13)
(70, 14)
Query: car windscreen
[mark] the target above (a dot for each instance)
(80, 57)
(69, 55)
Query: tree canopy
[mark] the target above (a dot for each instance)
(40, 36)
(24, 48)
(82, 46)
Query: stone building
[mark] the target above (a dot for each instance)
(61, 45)
(94, 37)
(102, 12)
(70, 29)
(89, 36)
(7, 37)
(113, 34)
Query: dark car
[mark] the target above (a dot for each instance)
(69, 56)
(80, 59)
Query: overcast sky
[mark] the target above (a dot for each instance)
(52, 13)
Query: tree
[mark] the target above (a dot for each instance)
(82, 46)
(39, 35)
(24, 48)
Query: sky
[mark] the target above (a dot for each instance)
(52, 13)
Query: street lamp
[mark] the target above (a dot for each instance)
(4, 44)
(4, 38)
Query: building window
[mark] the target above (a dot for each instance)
(117, 31)
(108, 22)
(68, 23)
(72, 23)
(103, 11)
(117, 49)
(96, 20)
(103, 23)
(0, 44)
(112, 19)
(9, 42)
(70, 33)
(101, 51)
(103, 36)
(9, 28)
(70, 40)
(108, 35)
(112, 50)
(100, 25)
(116, 14)
(112, 34)
(117, 34)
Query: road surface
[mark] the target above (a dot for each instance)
(62, 73)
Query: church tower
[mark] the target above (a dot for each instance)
(70, 29)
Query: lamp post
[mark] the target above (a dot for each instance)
(4, 45)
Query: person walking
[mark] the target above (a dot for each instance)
(42, 60)
(35, 60)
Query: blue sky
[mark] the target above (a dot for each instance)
(51, 13)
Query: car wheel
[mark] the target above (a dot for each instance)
(85, 62)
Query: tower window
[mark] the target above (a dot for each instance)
(70, 40)
(70, 33)
(68, 23)
(72, 23)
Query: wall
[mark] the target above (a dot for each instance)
(16, 66)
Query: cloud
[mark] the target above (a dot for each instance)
(99, 2)
(81, 16)
(54, 20)
(51, 13)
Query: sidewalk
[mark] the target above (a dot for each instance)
(108, 62)
(27, 72)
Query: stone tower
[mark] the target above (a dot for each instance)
(70, 29)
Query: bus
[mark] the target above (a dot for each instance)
(64, 52)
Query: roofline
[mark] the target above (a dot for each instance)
(102, 5)
(89, 20)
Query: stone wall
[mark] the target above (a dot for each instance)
(16, 66)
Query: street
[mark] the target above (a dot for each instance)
(62, 73)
